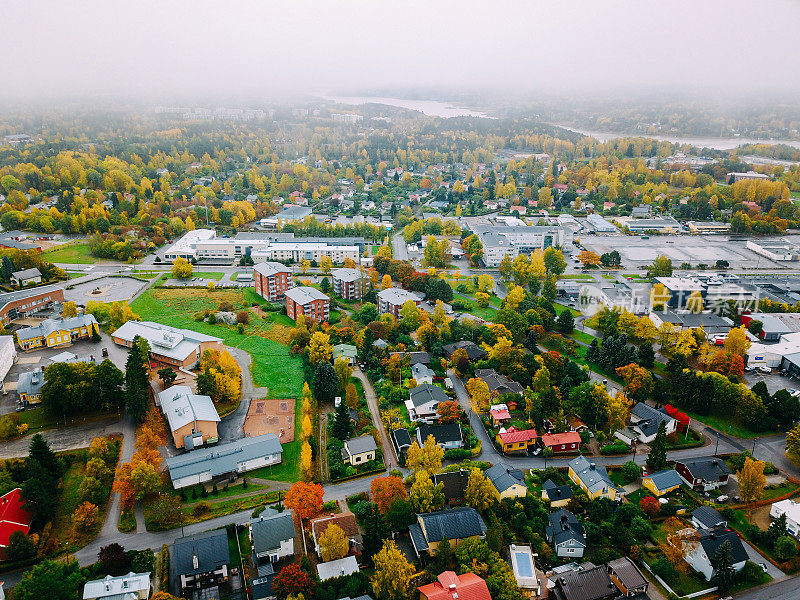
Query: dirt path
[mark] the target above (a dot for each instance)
(389, 457)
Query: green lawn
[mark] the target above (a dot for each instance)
(725, 424)
(272, 363)
(582, 337)
(487, 314)
(610, 277)
(208, 275)
(561, 307)
(578, 276)
(73, 252)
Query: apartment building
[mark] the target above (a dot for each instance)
(272, 279)
(392, 300)
(23, 303)
(309, 302)
(349, 284)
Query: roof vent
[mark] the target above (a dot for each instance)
(452, 586)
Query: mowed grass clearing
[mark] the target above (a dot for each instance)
(73, 252)
(266, 341)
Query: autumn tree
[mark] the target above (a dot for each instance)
(480, 493)
(751, 480)
(393, 573)
(333, 543)
(449, 411)
(478, 391)
(220, 377)
(385, 490)
(319, 348)
(69, 310)
(589, 258)
(650, 506)
(305, 499)
(425, 495)
(638, 381)
(181, 268)
(428, 457)
(386, 282)
(737, 341)
(325, 264)
(86, 516)
(292, 580)
(343, 371)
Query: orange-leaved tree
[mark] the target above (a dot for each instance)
(305, 499)
(385, 490)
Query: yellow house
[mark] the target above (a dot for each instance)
(57, 332)
(360, 450)
(662, 482)
(509, 483)
(514, 440)
(593, 479)
(558, 495)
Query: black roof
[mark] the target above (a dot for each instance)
(402, 438)
(474, 352)
(427, 392)
(455, 483)
(441, 432)
(564, 526)
(707, 468)
(593, 583)
(557, 492)
(453, 524)
(210, 548)
(416, 357)
(712, 539)
(498, 383)
(270, 528)
(708, 517)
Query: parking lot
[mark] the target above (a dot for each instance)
(105, 289)
(775, 381)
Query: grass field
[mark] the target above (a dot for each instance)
(561, 307)
(578, 276)
(264, 339)
(208, 275)
(582, 337)
(76, 252)
(725, 424)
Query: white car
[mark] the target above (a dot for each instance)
(795, 393)
(764, 370)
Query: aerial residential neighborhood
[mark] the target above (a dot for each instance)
(369, 301)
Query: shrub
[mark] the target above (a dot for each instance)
(243, 317)
(785, 548)
(615, 448)
(457, 454)
(201, 508)
(663, 569)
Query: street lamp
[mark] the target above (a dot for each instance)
(754, 447)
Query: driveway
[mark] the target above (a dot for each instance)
(389, 456)
(231, 427)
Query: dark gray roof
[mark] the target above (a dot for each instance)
(557, 492)
(474, 352)
(628, 573)
(591, 583)
(650, 418)
(26, 273)
(402, 438)
(210, 548)
(501, 477)
(271, 528)
(359, 445)
(416, 357)
(418, 537)
(442, 432)
(707, 468)
(712, 539)
(666, 479)
(498, 383)
(564, 526)
(707, 517)
(454, 483)
(455, 523)
(427, 392)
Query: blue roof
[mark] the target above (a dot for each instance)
(665, 480)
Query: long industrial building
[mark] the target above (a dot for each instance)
(500, 241)
(203, 244)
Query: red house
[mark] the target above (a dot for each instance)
(566, 442)
(272, 279)
(449, 586)
(307, 301)
(13, 517)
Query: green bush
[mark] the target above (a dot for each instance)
(457, 454)
(785, 548)
(615, 448)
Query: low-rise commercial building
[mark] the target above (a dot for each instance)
(169, 346)
(708, 227)
(24, 303)
(775, 250)
(192, 418)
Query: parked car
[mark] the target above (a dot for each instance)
(722, 498)
(762, 369)
(795, 393)
(749, 369)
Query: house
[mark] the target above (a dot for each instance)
(272, 279)
(346, 521)
(227, 460)
(662, 482)
(509, 483)
(51, 333)
(627, 577)
(402, 442)
(447, 435)
(413, 357)
(345, 351)
(530, 580)
(350, 284)
(562, 443)
(593, 479)
(360, 450)
(272, 535)
(391, 300)
(448, 586)
(575, 424)
(498, 383)
(474, 352)
(515, 440)
(791, 509)
(422, 374)
(499, 416)
(337, 568)
(200, 560)
(705, 474)
(645, 420)
(423, 402)
(13, 517)
(26, 277)
(454, 484)
(24, 303)
(8, 355)
(454, 524)
(558, 495)
(309, 302)
(192, 418)
(133, 586)
(29, 386)
(584, 582)
(169, 346)
(705, 517)
(565, 534)
(700, 553)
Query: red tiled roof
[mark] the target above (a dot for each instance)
(449, 585)
(500, 414)
(513, 435)
(347, 521)
(568, 437)
(13, 516)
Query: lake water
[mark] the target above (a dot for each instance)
(431, 108)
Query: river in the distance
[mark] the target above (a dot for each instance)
(446, 110)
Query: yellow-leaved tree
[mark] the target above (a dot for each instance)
(319, 348)
(333, 543)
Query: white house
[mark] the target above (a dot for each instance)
(792, 511)
(272, 534)
(129, 587)
(8, 355)
(422, 374)
(645, 420)
(423, 402)
(699, 553)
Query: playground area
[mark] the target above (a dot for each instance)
(271, 416)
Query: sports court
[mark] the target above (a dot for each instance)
(270, 416)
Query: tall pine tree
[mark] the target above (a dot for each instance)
(137, 379)
(657, 459)
(342, 427)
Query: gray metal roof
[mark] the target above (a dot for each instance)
(666, 479)
(455, 523)
(181, 407)
(223, 459)
(593, 476)
(210, 548)
(346, 274)
(425, 393)
(26, 273)
(270, 528)
(271, 268)
(398, 296)
(163, 339)
(337, 568)
(501, 478)
(305, 295)
(359, 445)
(49, 326)
(707, 468)
(564, 526)
(27, 293)
(707, 517)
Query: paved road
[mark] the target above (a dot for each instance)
(389, 456)
(399, 248)
(231, 427)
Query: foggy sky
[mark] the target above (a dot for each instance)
(155, 49)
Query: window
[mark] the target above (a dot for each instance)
(358, 459)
